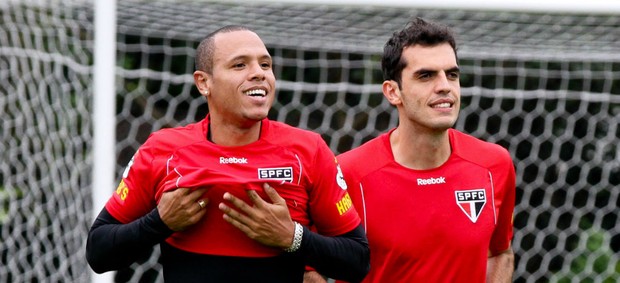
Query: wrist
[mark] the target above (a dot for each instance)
(297, 236)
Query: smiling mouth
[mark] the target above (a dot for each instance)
(442, 105)
(256, 93)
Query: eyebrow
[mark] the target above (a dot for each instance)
(424, 70)
(245, 57)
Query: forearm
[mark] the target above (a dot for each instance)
(500, 267)
(112, 245)
(345, 257)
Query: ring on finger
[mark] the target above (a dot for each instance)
(202, 204)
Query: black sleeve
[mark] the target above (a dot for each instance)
(112, 245)
(345, 257)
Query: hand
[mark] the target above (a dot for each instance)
(268, 223)
(180, 208)
(313, 277)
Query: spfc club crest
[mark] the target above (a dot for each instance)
(471, 202)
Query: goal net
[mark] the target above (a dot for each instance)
(45, 136)
(544, 85)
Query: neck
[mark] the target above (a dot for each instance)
(418, 150)
(227, 134)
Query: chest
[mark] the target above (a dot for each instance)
(415, 211)
(263, 162)
(237, 170)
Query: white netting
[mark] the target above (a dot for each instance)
(543, 85)
(45, 137)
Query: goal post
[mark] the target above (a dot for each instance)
(104, 111)
(104, 107)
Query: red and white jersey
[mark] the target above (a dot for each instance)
(433, 225)
(297, 163)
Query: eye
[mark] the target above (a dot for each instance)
(453, 75)
(239, 65)
(424, 75)
(266, 65)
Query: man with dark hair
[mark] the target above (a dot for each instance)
(437, 204)
(229, 198)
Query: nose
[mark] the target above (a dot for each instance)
(256, 72)
(443, 84)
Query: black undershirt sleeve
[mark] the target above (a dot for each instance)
(112, 245)
(345, 257)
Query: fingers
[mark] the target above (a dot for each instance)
(196, 194)
(202, 203)
(246, 217)
(268, 223)
(239, 203)
(234, 217)
(259, 203)
(182, 207)
(236, 222)
(180, 192)
(273, 195)
(256, 199)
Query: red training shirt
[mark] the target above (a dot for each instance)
(296, 162)
(434, 225)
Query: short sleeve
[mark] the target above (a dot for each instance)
(135, 194)
(331, 208)
(505, 183)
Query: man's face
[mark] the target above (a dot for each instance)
(430, 88)
(242, 84)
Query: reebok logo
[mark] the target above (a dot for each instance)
(233, 160)
(431, 181)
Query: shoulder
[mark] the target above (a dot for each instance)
(366, 158)
(168, 139)
(371, 148)
(478, 151)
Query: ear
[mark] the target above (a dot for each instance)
(391, 91)
(201, 79)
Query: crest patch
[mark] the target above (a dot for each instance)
(281, 173)
(471, 202)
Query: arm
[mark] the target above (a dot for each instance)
(500, 267)
(500, 263)
(112, 245)
(345, 257)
